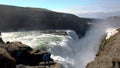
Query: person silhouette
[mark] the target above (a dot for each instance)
(46, 58)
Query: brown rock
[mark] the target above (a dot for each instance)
(6, 61)
(109, 54)
(23, 54)
(38, 56)
(101, 62)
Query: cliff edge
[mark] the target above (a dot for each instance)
(108, 55)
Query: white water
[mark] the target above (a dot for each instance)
(67, 50)
(82, 51)
(87, 47)
(33, 38)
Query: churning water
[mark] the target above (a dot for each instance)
(68, 50)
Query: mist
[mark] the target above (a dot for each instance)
(78, 53)
(87, 47)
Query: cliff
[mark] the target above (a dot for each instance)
(108, 55)
(19, 55)
(14, 18)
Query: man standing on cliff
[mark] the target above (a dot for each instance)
(46, 58)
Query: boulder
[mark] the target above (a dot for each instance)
(23, 54)
(6, 61)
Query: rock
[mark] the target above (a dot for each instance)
(6, 61)
(55, 65)
(20, 66)
(23, 54)
(18, 51)
(109, 53)
(38, 55)
(58, 66)
(23, 19)
(101, 62)
(1, 41)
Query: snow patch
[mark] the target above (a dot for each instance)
(110, 32)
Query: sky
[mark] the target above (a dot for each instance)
(82, 8)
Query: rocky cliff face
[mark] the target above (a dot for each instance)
(109, 54)
(18, 18)
(18, 55)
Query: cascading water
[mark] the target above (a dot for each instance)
(83, 50)
(70, 51)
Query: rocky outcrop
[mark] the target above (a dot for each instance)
(21, 19)
(57, 65)
(23, 54)
(6, 61)
(108, 55)
(17, 53)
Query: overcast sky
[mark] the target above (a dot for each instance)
(82, 8)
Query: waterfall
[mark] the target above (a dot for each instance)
(72, 34)
(77, 53)
(68, 50)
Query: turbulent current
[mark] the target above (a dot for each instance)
(68, 50)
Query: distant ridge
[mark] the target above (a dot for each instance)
(14, 18)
